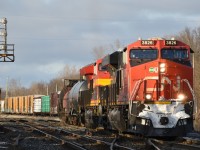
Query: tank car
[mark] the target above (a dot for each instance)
(85, 97)
(59, 102)
(144, 88)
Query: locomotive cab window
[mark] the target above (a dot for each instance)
(102, 68)
(176, 55)
(140, 56)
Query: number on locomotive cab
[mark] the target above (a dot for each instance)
(147, 42)
(170, 43)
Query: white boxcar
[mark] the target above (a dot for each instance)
(37, 104)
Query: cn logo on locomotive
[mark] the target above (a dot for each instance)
(153, 69)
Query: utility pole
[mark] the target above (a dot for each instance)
(47, 90)
(6, 88)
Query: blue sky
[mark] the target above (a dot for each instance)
(48, 34)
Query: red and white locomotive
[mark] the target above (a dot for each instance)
(144, 88)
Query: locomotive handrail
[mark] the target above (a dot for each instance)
(136, 86)
(133, 94)
(192, 91)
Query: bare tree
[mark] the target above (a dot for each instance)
(41, 87)
(71, 72)
(55, 85)
(101, 51)
(38, 88)
(14, 86)
(98, 52)
(68, 72)
(117, 45)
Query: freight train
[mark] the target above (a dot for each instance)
(31, 104)
(144, 88)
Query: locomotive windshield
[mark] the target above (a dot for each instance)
(174, 54)
(140, 56)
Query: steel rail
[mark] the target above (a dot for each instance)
(185, 146)
(112, 145)
(150, 141)
(72, 144)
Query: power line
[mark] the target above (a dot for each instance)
(64, 18)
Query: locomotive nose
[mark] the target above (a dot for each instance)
(164, 120)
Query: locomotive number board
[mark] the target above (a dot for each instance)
(170, 42)
(147, 42)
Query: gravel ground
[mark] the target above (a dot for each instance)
(28, 139)
(28, 117)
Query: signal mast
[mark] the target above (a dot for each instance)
(6, 50)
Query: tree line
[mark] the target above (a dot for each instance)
(15, 88)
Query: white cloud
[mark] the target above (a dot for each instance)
(51, 68)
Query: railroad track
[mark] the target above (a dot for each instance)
(58, 139)
(19, 135)
(84, 141)
(184, 143)
(51, 134)
(59, 135)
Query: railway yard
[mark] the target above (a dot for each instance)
(139, 97)
(49, 133)
(139, 93)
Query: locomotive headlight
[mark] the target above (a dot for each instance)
(162, 70)
(181, 97)
(148, 96)
(162, 67)
(143, 121)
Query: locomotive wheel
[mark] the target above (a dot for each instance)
(105, 123)
(88, 132)
(82, 119)
(74, 121)
(70, 120)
